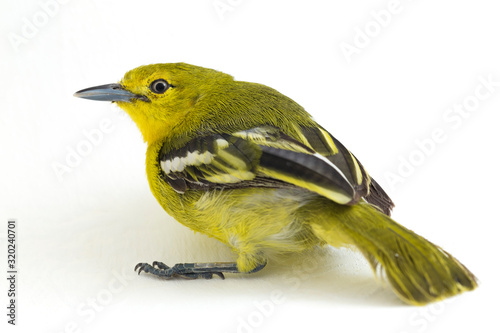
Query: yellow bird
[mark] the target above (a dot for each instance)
(241, 162)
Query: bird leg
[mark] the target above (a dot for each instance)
(192, 270)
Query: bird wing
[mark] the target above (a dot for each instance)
(324, 143)
(266, 157)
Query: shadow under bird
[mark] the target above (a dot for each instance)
(241, 162)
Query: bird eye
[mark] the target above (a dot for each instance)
(159, 86)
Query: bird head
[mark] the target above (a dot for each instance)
(162, 98)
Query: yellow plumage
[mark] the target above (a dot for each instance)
(242, 163)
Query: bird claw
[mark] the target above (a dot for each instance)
(179, 270)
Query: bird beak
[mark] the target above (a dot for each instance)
(109, 92)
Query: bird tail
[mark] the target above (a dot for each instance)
(418, 271)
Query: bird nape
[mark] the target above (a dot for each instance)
(241, 162)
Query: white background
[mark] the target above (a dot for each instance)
(81, 233)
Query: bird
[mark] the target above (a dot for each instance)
(242, 163)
